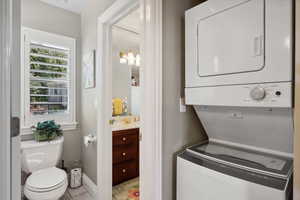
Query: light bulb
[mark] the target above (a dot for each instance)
(138, 60)
(131, 58)
(123, 58)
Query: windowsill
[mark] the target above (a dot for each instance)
(64, 127)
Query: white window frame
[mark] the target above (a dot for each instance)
(67, 121)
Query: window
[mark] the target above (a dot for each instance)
(48, 78)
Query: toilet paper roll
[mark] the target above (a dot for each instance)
(86, 141)
(89, 139)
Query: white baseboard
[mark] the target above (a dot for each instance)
(89, 185)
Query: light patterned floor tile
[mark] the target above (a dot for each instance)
(76, 192)
(121, 192)
(85, 196)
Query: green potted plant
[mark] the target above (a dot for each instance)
(46, 131)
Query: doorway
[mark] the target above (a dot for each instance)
(145, 176)
(151, 50)
(125, 123)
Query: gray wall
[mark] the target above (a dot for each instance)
(297, 107)
(179, 129)
(123, 41)
(88, 122)
(42, 16)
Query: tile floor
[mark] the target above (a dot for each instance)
(127, 191)
(77, 194)
(120, 192)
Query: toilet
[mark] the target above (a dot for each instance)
(39, 159)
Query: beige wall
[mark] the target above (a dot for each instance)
(297, 108)
(179, 129)
(41, 16)
(88, 122)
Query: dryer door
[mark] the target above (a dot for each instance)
(232, 40)
(238, 42)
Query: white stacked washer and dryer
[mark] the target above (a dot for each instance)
(239, 78)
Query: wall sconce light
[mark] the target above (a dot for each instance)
(138, 60)
(130, 59)
(123, 58)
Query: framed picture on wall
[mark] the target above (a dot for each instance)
(89, 63)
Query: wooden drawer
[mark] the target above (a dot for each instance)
(125, 137)
(125, 153)
(125, 171)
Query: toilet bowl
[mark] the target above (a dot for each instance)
(46, 184)
(39, 159)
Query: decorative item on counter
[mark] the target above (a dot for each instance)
(119, 106)
(125, 105)
(112, 121)
(136, 118)
(127, 120)
(46, 131)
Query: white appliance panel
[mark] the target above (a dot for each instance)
(275, 95)
(195, 182)
(220, 58)
(232, 41)
(268, 129)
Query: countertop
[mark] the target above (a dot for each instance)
(118, 126)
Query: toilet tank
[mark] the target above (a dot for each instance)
(41, 155)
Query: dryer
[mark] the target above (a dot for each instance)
(240, 47)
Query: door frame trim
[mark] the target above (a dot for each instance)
(5, 95)
(151, 87)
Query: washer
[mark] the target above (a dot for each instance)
(215, 171)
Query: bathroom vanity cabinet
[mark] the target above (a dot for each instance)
(125, 155)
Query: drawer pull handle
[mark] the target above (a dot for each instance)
(124, 138)
(124, 170)
(124, 154)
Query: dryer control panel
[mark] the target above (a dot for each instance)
(268, 92)
(252, 95)
(258, 93)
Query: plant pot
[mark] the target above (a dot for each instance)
(43, 137)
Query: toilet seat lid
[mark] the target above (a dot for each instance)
(46, 178)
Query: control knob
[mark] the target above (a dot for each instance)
(258, 93)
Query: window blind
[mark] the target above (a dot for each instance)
(49, 79)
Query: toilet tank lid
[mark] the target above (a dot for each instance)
(34, 144)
